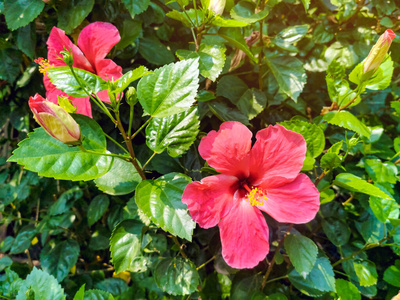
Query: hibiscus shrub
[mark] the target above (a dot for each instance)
(276, 120)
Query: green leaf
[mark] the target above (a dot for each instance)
(43, 285)
(97, 295)
(23, 239)
(306, 4)
(252, 103)
(392, 275)
(10, 61)
(227, 113)
(222, 22)
(19, 13)
(171, 89)
(72, 13)
(302, 253)
(97, 208)
(176, 276)
(289, 73)
(232, 88)
(125, 245)
(347, 120)
(64, 80)
(160, 200)
(366, 272)
(154, 51)
(115, 286)
(337, 231)
(49, 157)
(312, 133)
(121, 179)
(182, 17)
(211, 59)
(342, 53)
(5, 262)
(235, 37)
(130, 31)
(80, 293)
(383, 209)
(130, 77)
(330, 161)
(290, 35)
(65, 201)
(58, 260)
(136, 7)
(244, 11)
(356, 184)
(26, 40)
(175, 133)
(320, 280)
(346, 290)
(381, 172)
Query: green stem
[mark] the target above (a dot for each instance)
(125, 157)
(151, 157)
(116, 143)
(141, 127)
(208, 261)
(130, 119)
(276, 279)
(17, 219)
(195, 11)
(179, 245)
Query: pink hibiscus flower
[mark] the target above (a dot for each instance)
(264, 177)
(94, 42)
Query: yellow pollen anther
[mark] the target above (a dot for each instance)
(256, 197)
(44, 65)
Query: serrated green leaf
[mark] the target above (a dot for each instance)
(72, 13)
(342, 53)
(115, 286)
(26, 40)
(356, 184)
(171, 89)
(175, 133)
(98, 295)
(235, 37)
(347, 120)
(43, 285)
(130, 77)
(383, 209)
(49, 157)
(392, 275)
(130, 31)
(381, 172)
(211, 59)
(329, 161)
(289, 72)
(59, 260)
(222, 22)
(346, 290)
(80, 293)
(232, 88)
(64, 80)
(366, 272)
(252, 103)
(227, 113)
(302, 253)
(125, 245)
(320, 280)
(19, 13)
(312, 133)
(121, 179)
(160, 200)
(23, 239)
(337, 231)
(154, 51)
(290, 35)
(136, 7)
(97, 208)
(244, 12)
(65, 201)
(177, 276)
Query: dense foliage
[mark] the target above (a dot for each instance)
(101, 216)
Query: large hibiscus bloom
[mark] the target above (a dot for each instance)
(94, 42)
(264, 177)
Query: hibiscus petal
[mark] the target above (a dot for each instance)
(82, 105)
(211, 199)
(58, 42)
(97, 39)
(227, 149)
(108, 70)
(296, 202)
(276, 157)
(244, 236)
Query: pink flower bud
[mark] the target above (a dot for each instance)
(55, 120)
(378, 52)
(217, 6)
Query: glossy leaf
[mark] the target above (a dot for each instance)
(80, 293)
(347, 120)
(232, 88)
(64, 80)
(10, 61)
(366, 272)
(170, 90)
(222, 22)
(160, 200)
(154, 51)
(346, 290)
(58, 260)
(392, 275)
(177, 276)
(235, 37)
(121, 179)
(330, 161)
(97, 295)
(19, 13)
(136, 7)
(302, 253)
(125, 245)
(337, 231)
(129, 77)
(72, 13)
(23, 239)
(49, 157)
(252, 103)
(175, 133)
(65, 201)
(244, 11)
(97, 208)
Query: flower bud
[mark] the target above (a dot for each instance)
(397, 297)
(378, 52)
(217, 6)
(131, 96)
(67, 57)
(55, 120)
